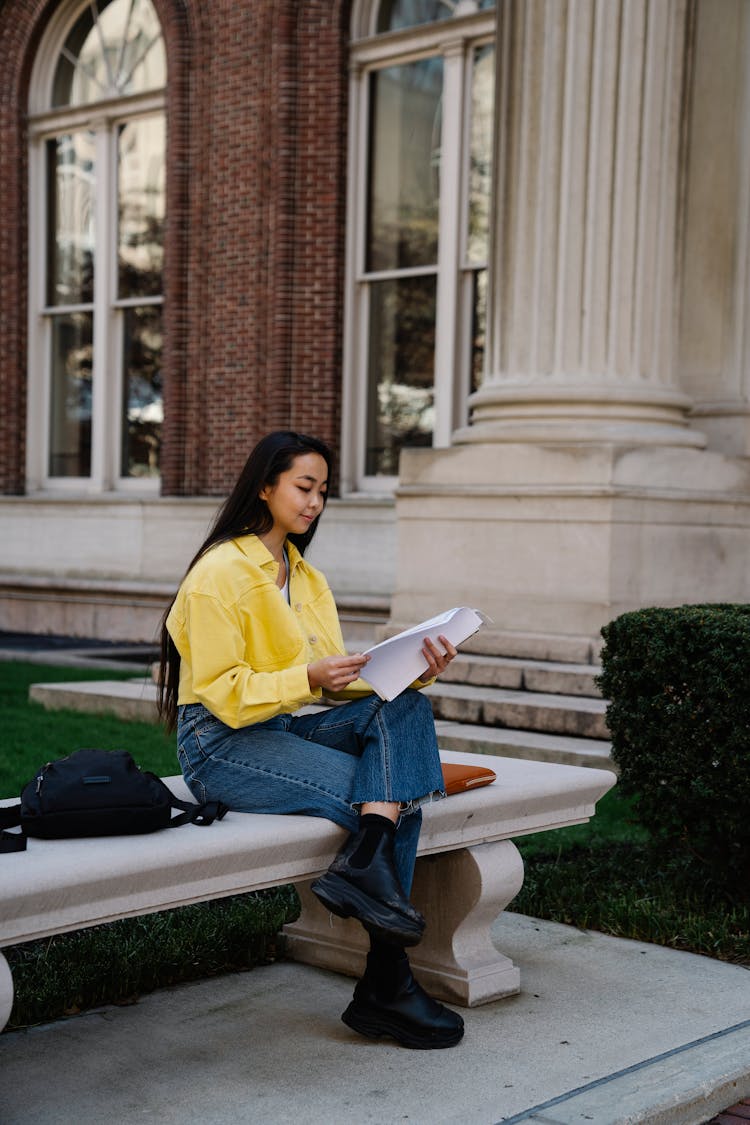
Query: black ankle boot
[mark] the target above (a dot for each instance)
(388, 1001)
(362, 883)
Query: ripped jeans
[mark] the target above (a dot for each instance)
(322, 764)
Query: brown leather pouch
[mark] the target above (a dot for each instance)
(460, 776)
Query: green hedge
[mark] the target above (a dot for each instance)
(118, 962)
(679, 685)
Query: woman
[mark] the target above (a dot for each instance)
(253, 635)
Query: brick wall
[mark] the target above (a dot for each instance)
(255, 236)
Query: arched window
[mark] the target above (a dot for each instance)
(420, 159)
(96, 242)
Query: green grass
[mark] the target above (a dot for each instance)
(32, 735)
(115, 963)
(608, 875)
(628, 890)
(615, 822)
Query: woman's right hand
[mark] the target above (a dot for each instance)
(334, 673)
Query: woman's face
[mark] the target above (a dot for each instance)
(299, 494)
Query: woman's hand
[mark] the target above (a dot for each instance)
(437, 660)
(334, 673)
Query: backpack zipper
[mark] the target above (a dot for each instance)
(40, 777)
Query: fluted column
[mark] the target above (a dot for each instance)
(583, 305)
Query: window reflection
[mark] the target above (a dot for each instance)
(142, 392)
(401, 370)
(70, 413)
(480, 153)
(141, 190)
(404, 165)
(393, 15)
(70, 218)
(115, 48)
(478, 327)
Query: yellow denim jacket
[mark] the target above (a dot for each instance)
(243, 649)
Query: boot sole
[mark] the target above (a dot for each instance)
(345, 901)
(374, 1024)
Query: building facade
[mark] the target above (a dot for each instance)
(497, 254)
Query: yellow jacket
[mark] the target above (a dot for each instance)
(243, 649)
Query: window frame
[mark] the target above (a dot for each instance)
(455, 39)
(104, 118)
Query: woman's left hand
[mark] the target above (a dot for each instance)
(437, 659)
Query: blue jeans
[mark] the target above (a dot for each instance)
(325, 764)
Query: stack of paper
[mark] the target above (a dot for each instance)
(396, 663)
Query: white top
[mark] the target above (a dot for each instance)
(285, 587)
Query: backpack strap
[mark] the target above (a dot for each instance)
(192, 813)
(10, 817)
(203, 815)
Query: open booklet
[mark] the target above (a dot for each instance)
(398, 661)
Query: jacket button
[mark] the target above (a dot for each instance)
(313, 640)
(298, 607)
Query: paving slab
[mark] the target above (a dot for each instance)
(127, 699)
(604, 1030)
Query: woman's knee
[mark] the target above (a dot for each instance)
(412, 703)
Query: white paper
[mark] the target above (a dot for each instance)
(397, 662)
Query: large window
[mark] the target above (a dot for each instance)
(97, 191)
(420, 170)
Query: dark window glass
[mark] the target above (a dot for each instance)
(141, 196)
(404, 173)
(401, 369)
(142, 392)
(393, 15)
(71, 198)
(70, 405)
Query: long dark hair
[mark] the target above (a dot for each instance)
(242, 513)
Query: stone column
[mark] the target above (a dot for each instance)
(579, 490)
(714, 340)
(589, 120)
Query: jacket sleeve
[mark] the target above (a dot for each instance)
(223, 680)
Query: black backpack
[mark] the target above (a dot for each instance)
(97, 793)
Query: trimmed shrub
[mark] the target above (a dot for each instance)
(117, 962)
(679, 685)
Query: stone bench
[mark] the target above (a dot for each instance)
(467, 872)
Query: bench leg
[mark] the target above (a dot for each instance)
(461, 894)
(6, 991)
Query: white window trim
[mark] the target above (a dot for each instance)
(103, 117)
(370, 53)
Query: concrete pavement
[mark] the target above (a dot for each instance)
(604, 1030)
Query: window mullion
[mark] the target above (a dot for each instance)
(354, 406)
(37, 424)
(101, 408)
(451, 150)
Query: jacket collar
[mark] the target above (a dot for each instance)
(257, 552)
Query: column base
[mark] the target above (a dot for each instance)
(549, 410)
(559, 539)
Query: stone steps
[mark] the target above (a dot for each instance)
(551, 677)
(535, 701)
(543, 727)
(579, 716)
(523, 706)
(532, 745)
